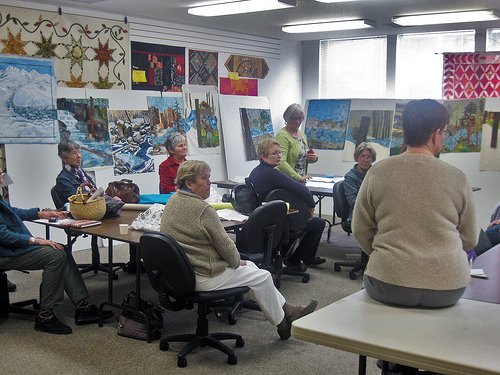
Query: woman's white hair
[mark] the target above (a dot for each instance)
(292, 110)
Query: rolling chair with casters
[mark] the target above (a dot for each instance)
(341, 208)
(256, 241)
(96, 264)
(16, 307)
(171, 275)
(294, 229)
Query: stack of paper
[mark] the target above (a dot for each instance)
(231, 215)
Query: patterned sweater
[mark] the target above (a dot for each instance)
(415, 217)
(194, 224)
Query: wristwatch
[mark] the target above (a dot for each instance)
(32, 240)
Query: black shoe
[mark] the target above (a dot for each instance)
(316, 262)
(11, 287)
(51, 325)
(295, 265)
(90, 315)
(396, 368)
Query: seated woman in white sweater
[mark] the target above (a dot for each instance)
(415, 218)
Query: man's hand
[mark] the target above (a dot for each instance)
(49, 214)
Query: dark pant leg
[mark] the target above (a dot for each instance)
(306, 251)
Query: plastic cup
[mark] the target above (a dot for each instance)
(123, 228)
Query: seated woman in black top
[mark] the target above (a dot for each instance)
(266, 178)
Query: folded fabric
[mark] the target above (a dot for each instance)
(149, 219)
(154, 198)
(220, 206)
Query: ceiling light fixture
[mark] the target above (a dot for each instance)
(451, 17)
(328, 26)
(241, 6)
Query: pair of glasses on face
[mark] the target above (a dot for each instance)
(276, 153)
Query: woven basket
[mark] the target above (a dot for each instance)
(82, 210)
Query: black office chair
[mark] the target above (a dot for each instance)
(293, 230)
(96, 264)
(16, 307)
(341, 208)
(172, 276)
(257, 241)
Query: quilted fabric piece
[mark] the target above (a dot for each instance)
(203, 69)
(471, 75)
(245, 87)
(88, 52)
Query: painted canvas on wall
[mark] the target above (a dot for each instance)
(27, 100)
(373, 126)
(85, 121)
(397, 130)
(257, 125)
(326, 123)
(203, 68)
(466, 123)
(130, 133)
(157, 67)
(166, 116)
(88, 52)
(202, 119)
(490, 144)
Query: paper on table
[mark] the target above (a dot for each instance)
(231, 215)
(478, 272)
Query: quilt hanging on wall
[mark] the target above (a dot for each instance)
(326, 123)
(397, 140)
(372, 126)
(157, 67)
(166, 116)
(471, 75)
(245, 87)
(257, 125)
(130, 133)
(490, 147)
(202, 116)
(203, 68)
(88, 52)
(27, 100)
(4, 190)
(466, 123)
(247, 66)
(85, 121)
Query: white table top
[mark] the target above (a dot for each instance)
(462, 339)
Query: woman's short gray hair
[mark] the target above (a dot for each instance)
(362, 147)
(65, 147)
(172, 140)
(292, 110)
(189, 171)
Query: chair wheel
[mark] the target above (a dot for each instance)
(182, 362)
(353, 276)
(240, 343)
(336, 268)
(232, 359)
(231, 320)
(305, 279)
(164, 346)
(115, 276)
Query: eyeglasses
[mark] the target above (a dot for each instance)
(276, 153)
(367, 157)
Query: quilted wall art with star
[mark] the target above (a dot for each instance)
(88, 52)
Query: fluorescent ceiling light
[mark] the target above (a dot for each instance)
(334, 1)
(328, 26)
(452, 17)
(241, 6)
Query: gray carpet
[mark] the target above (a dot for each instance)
(94, 350)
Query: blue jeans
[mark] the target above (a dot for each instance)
(493, 234)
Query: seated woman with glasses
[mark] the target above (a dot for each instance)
(194, 224)
(364, 155)
(265, 177)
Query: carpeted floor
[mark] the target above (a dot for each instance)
(94, 350)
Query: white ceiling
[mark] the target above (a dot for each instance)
(269, 23)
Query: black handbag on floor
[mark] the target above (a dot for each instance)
(133, 325)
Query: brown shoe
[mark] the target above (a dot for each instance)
(284, 329)
(301, 311)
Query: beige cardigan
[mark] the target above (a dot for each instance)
(415, 217)
(194, 224)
